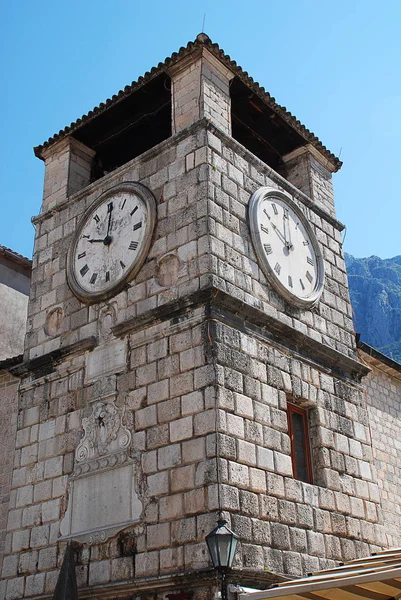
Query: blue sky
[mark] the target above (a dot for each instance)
(336, 66)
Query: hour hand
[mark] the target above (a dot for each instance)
(287, 231)
(92, 241)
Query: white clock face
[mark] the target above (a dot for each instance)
(111, 242)
(286, 247)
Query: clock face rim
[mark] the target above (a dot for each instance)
(149, 201)
(259, 196)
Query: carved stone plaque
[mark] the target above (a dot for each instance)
(103, 499)
(101, 504)
(106, 360)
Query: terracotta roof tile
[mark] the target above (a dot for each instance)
(202, 40)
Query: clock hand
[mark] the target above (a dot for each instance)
(285, 235)
(287, 230)
(289, 243)
(110, 209)
(108, 239)
(280, 235)
(92, 241)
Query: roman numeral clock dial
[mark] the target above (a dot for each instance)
(287, 249)
(111, 242)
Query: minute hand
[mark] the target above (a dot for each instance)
(280, 235)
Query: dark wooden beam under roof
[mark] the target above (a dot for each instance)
(259, 128)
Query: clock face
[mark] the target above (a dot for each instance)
(111, 241)
(286, 247)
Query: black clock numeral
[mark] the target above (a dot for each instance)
(277, 268)
(109, 207)
(309, 260)
(122, 264)
(85, 237)
(289, 281)
(305, 243)
(309, 277)
(107, 275)
(264, 228)
(302, 284)
(84, 270)
(93, 278)
(96, 218)
(286, 214)
(274, 207)
(266, 213)
(133, 211)
(82, 254)
(268, 248)
(123, 204)
(133, 246)
(137, 225)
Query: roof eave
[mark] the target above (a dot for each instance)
(202, 41)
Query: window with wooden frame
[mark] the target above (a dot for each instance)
(300, 446)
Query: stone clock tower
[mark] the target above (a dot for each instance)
(189, 349)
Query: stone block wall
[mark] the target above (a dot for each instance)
(8, 429)
(176, 174)
(167, 392)
(312, 174)
(383, 397)
(203, 398)
(200, 89)
(287, 525)
(234, 174)
(206, 407)
(68, 170)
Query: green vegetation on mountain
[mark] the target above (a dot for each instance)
(375, 290)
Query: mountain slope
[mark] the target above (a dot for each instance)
(375, 290)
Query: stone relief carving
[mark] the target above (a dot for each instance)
(168, 270)
(104, 433)
(107, 319)
(103, 498)
(105, 462)
(54, 321)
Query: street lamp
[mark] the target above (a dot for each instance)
(222, 544)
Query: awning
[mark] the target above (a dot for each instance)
(377, 577)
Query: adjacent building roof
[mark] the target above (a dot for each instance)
(376, 359)
(202, 41)
(15, 256)
(377, 577)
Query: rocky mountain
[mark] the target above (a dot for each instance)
(375, 289)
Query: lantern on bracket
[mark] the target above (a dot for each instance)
(222, 544)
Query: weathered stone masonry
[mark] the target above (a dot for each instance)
(187, 380)
(8, 429)
(383, 400)
(197, 358)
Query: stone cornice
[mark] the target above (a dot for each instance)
(235, 313)
(253, 321)
(45, 364)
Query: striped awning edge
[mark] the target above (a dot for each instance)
(377, 577)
